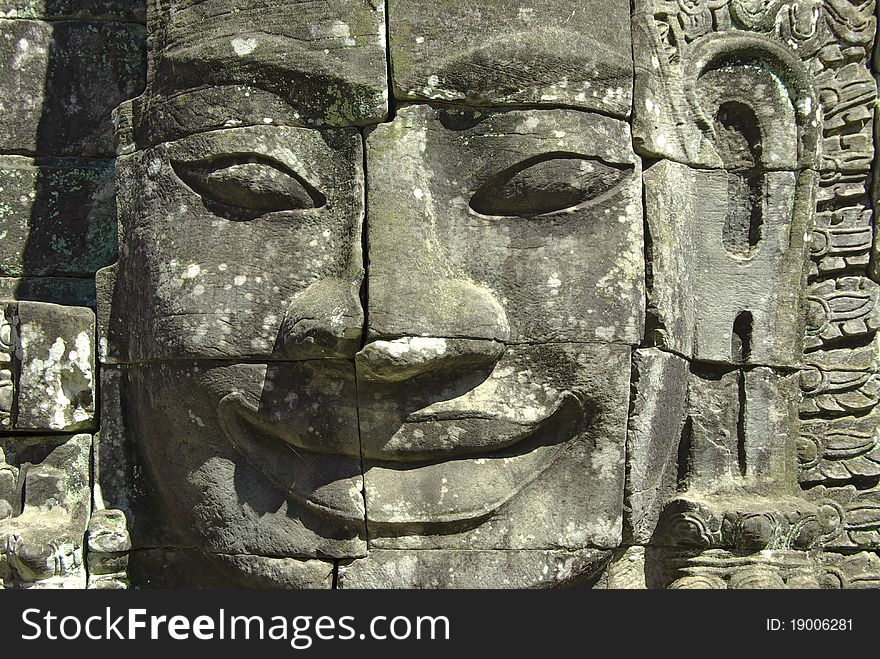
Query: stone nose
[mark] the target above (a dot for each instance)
(324, 321)
(428, 322)
(398, 360)
(425, 302)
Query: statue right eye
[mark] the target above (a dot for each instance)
(545, 184)
(248, 186)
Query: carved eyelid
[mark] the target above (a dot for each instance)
(245, 186)
(547, 183)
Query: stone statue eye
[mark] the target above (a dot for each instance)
(247, 186)
(544, 184)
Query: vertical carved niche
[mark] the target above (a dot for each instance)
(727, 217)
(728, 259)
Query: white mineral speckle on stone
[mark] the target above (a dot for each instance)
(531, 122)
(340, 30)
(419, 40)
(195, 419)
(239, 280)
(604, 332)
(807, 105)
(604, 530)
(64, 381)
(418, 194)
(606, 461)
(244, 46)
(23, 53)
(425, 346)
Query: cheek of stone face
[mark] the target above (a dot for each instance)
(224, 230)
(530, 457)
(253, 458)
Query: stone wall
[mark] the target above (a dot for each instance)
(456, 294)
(64, 66)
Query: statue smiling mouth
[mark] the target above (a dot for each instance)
(447, 462)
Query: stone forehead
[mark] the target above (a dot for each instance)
(327, 64)
(551, 52)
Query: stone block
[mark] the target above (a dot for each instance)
(66, 291)
(56, 387)
(110, 10)
(473, 569)
(57, 216)
(507, 53)
(520, 226)
(120, 480)
(255, 459)
(527, 453)
(185, 568)
(285, 63)
(728, 277)
(269, 264)
(654, 433)
(107, 543)
(42, 539)
(61, 79)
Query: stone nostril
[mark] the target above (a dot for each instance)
(401, 359)
(325, 320)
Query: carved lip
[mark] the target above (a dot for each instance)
(424, 437)
(333, 483)
(468, 487)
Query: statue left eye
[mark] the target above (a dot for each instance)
(248, 186)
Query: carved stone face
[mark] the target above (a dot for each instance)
(400, 336)
(451, 373)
